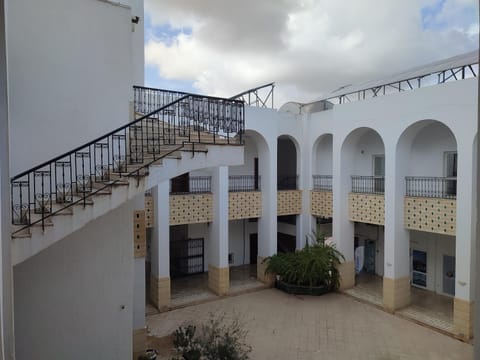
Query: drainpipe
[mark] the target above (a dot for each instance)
(476, 327)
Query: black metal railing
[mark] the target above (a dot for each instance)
(433, 187)
(261, 96)
(238, 183)
(322, 182)
(287, 182)
(148, 99)
(196, 185)
(75, 176)
(368, 184)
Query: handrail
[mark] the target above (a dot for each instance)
(260, 98)
(76, 175)
(252, 90)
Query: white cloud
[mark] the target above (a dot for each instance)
(309, 47)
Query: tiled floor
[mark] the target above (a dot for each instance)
(194, 288)
(426, 307)
(332, 326)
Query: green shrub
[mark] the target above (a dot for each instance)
(215, 340)
(314, 265)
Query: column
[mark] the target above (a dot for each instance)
(267, 223)
(218, 271)
(343, 228)
(465, 243)
(396, 277)
(160, 247)
(7, 350)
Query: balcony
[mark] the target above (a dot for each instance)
(191, 201)
(366, 201)
(245, 197)
(289, 198)
(430, 204)
(321, 197)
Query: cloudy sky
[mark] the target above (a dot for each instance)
(308, 47)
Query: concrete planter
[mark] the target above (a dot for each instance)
(301, 290)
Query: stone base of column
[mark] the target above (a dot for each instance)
(218, 280)
(139, 342)
(347, 275)
(160, 292)
(463, 318)
(267, 279)
(396, 293)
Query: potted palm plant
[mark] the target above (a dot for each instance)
(310, 271)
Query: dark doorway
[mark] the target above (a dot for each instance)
(286, 243)
(180, 184)
(253, 248)
(255, 173)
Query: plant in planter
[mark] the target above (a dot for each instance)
(310, 271)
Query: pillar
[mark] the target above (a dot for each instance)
(160, 248)
(218, 271)
(396, 278)
(465, 242)
(267, 223)
(7, 350)
(343, 228)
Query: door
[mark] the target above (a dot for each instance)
(370, 251)
(419, 268)
(449, 275)
(379, 173)
(253, 248)
(255, 173)
(451, 173)
(180, 184)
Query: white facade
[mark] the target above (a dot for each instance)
(79, 291)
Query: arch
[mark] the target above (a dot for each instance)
(288, 167)
(325, 141)
(357, 150)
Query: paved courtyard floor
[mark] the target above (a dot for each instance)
(333, 326)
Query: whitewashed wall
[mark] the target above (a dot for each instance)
(74, 300)
(70, 75)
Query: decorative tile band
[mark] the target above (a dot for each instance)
(367, 208)
(289, 202)
(244, 205)
(431, 215)
(149, 212)
(191, 209)
(321, 203)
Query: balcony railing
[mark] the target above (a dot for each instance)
(368, 184)
(147, 100)
(196, 185)
(287, 182)
(432, 187)
(322, 182)
(238, 183)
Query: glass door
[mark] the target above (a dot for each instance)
(379, 173)
(419, 268)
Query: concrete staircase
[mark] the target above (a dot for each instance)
(68, 192)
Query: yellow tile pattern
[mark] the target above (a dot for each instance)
(289, 202)
(321, 203)
(367, 208)
(463, 318)
(244, 205)
(149, 213)
(139, 234)
(218, 280)
(160, 292)
(396, 293)
(430, 215)
(191, 209)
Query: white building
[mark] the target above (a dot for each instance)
(388, 166)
